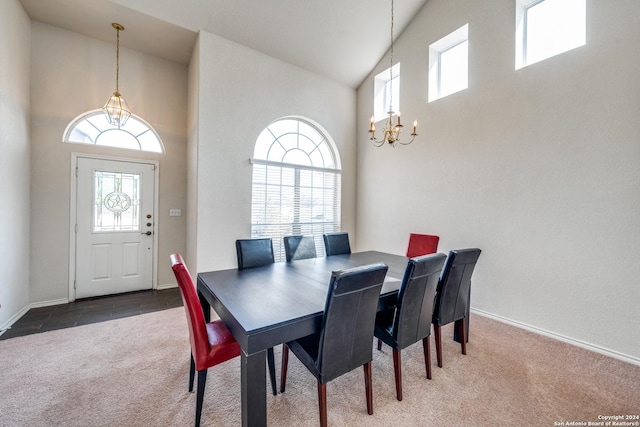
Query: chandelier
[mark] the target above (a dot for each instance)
(392, 129)
(116, 108)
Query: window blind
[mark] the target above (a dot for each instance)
(290, 199)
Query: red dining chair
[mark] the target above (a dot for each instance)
(211, 343)
(422, 244)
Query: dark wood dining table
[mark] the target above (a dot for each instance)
(280, 302)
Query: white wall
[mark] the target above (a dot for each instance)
(537, 167)
(14, 160)
(192, 161)
(240, 92)
(71, 74)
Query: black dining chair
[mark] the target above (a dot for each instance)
(336, 243)
(344, 341)
(453, 296)
(299, 247)
(254, 252)
(257, 253)
(409, 321)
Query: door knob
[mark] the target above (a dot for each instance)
(148, 233)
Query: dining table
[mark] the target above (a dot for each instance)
(280, 302)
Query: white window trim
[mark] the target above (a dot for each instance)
(436, 49)
(66, 136)
(263, 224)
(381, 105)
(522, 7)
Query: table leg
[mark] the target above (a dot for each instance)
(254, 389)
(206, 307)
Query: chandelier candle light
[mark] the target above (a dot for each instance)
(116, 108)
(391, 131)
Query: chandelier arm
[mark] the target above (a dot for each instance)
(378, 143)
(413, 136)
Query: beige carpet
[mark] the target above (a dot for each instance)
(134, 372)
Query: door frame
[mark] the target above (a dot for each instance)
(73, 214)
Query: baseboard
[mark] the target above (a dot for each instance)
(19, 314)
(49, 303)
(167, 286)
(14, 319)
(559, 337)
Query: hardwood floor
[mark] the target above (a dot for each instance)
(93, 310)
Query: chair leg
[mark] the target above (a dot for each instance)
(285, 364)
(379, 345)
(202, 379)
(322, 403)
(397, 370)
(192, 374)
(272, 370)
(438, 334)
(368, 387)
(426, 346)
(462, 331)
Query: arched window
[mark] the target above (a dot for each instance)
(92, 127)
(296, 183)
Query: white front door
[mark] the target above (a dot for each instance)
(115, 224)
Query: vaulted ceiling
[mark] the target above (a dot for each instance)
(339, 39)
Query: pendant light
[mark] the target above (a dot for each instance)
(116, 109)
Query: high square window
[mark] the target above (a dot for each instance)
(545, 28)
(449, 64)
(386, 93)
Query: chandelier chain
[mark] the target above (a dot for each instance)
(117, 57)
(391, 63)
(391, 131)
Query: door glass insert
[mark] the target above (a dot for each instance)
(116, 204)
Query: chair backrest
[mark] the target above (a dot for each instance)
(416, 299)
(422, 244)
(254, 252)
(452, 298)
(299, 247)
(195, 317)
(349, 320)
(336, 243)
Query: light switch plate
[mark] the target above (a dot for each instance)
(175, 212)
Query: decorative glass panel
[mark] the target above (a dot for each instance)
(116, 201)
(92, 127)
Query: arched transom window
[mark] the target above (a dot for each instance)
(296, 183)
(92, 127)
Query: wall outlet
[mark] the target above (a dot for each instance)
(175, 212)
